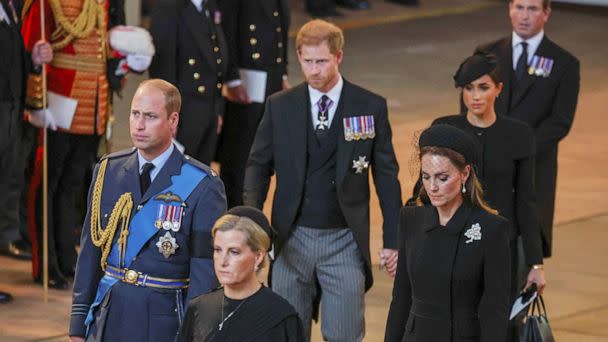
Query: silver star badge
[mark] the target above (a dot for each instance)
(473, 233)
(360, 165)
(323, 123)
(166, 245)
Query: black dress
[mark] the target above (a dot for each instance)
(506, 171)
(264, 316)
(451, 283)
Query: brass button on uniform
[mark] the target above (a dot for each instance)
(213, 37)
(275, 13)
(196, 75)
(251, 27)
(278, 29)
(219, 85)
(201, 89)
(255, 55)
(216, 49)
(280, 44)
(191, 61)
(279, 60)
(219, 61)
(253, 41)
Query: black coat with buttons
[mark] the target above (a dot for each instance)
(451, 285)
(191, 50)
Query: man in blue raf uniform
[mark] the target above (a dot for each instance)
(146, 241)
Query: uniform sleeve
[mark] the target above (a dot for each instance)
(495, 300)
(231, 10)
(88, 273)
(211, 204)
(384, 171)
(163, 28)
(525, 201)
(402, 291)
(261, 161)
(557, 125)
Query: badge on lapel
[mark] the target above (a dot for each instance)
(359, 127)
(473, 233)
(540, 66)
(167, 245)
(360, 164)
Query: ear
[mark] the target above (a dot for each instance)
(466, 173)
(340, 56)
(259, 258)
(499, 86)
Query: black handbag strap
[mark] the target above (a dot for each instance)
(538, 307)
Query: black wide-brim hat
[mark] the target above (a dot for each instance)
(256, 216)
(447, 136)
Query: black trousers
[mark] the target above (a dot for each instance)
(10, 150)
(69, 157)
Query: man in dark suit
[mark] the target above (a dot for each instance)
(321, 138)
(15, 64)
(256, 32)
(541, 85)
(191, 53)
(146, 241)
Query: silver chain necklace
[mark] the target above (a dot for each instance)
(221, 325)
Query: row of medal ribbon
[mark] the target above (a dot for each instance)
(359, 127)
(540, 66)
(169, 217)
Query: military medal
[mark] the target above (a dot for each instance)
(158, 223)
(359, 127)
(360, 164)
(348, 129)
(540, 66)
(166, 245)
(177, 219)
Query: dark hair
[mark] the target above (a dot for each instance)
(496, 75)
(474, 194)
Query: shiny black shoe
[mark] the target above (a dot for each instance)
(353, 4)
(16, 249)
(5, 297)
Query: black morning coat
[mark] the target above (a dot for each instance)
(450, 285)
(280, 147)
(548, 105)
(506, 171)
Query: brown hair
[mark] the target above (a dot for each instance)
(474, 194)
(173, 99)
(255, 236)
(546, 3)
(318, 31)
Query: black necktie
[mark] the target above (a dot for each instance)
(144, 177)
(323, 113)
(522, 62)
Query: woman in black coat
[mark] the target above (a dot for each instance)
(452, 281)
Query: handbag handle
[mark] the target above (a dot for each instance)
(536, 306)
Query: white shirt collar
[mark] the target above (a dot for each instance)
(333, 93)
(198, 4)
(158, 162)
(533, 42)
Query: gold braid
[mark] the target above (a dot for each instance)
(101, 237)
(91, 16)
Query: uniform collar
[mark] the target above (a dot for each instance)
(158, 162)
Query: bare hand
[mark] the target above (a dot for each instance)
(220, 124)
(42, 53)
(76, 339)
(537, 276)
(238, 94)
(388, 260)
(286, 84)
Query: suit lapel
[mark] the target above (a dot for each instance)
(345, 148)
(195, 22)
(297, 126)
(162, 181)
(528, 80)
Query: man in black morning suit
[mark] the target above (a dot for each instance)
(256, 32)
(541, 91)
(191, 53)
(321, 138)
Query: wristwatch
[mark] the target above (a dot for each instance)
(538, 267)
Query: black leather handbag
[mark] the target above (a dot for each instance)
(535, 327)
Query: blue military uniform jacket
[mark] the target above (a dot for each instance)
(121, 311)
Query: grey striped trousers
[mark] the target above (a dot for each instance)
(331, 259)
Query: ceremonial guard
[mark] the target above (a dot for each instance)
(191, 53)
(81, 74)
(256, 32)
(146, 241)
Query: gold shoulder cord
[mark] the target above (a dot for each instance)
(101, 237)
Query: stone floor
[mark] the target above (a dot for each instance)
(408, 55)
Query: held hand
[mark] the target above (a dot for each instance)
(286, 84)
(76, 339)
(537, 276)
(42, 53)
(388, 260)
(139, 63)
(42, 118)
(238, 94)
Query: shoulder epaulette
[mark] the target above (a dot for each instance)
(199, 165)
(119, 154)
